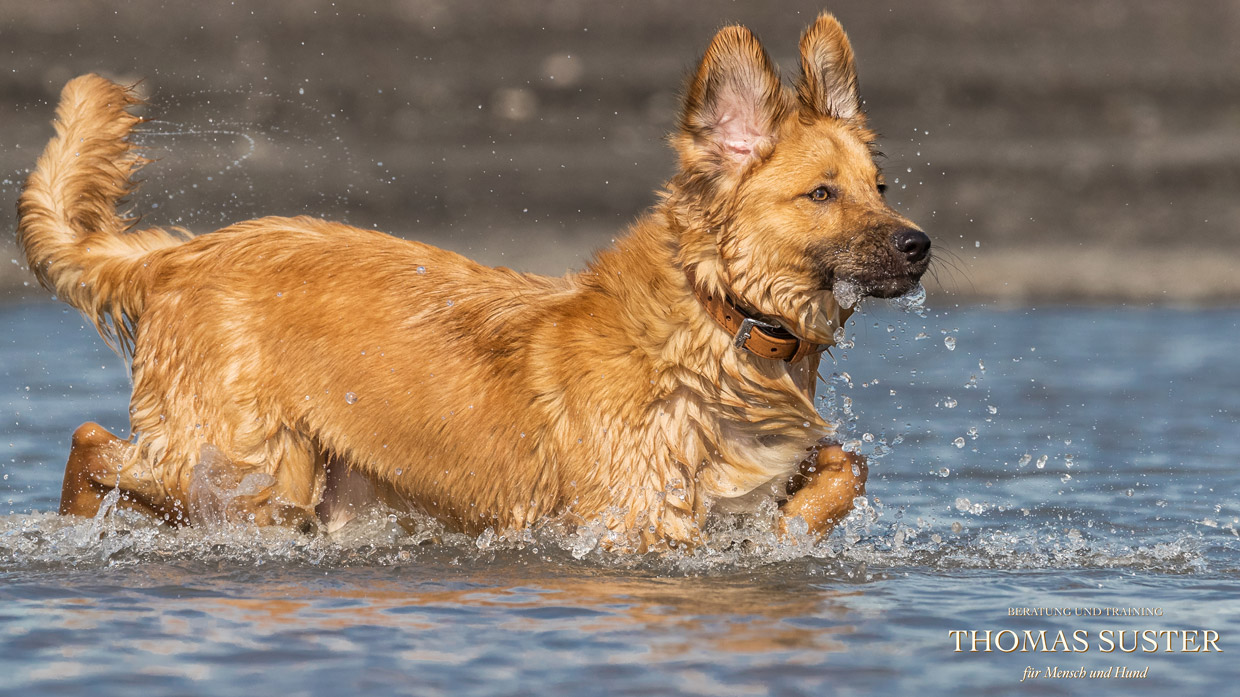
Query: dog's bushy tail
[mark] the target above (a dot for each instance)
(76, 242)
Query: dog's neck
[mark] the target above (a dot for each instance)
(660, 254)
(751, 332)
(668, 323)
(746, 420)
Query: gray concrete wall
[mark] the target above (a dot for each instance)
(1054, 150)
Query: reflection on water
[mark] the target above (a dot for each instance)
(1041, 461)
(721, 615)
(516, 613)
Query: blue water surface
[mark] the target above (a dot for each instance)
(1078, 459)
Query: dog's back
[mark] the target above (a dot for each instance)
(326, 340)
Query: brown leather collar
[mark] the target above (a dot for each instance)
(760, 338)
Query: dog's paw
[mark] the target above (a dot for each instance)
(826, 487)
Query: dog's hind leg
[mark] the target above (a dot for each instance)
(824, 490)
(95, 461)
(219, 491)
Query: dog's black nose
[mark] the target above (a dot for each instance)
(913, 244)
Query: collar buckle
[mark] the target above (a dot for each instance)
(746, 328)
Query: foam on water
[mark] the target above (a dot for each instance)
(870, 536)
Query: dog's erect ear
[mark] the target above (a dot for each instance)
(733, 105)
(828, 83)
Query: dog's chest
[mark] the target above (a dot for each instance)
(735, 453)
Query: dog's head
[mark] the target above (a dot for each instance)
(779, 193)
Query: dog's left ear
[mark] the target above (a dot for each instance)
(828, 83)
(733, 106)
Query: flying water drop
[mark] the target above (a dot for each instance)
(847, 293)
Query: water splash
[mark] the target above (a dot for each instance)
(205, 159)
(847, 293)
(156, 128)
(218, 490)
(913, 302)
(871, 535)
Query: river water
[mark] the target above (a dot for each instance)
(1081, 462)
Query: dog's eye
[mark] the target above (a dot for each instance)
(822, 193)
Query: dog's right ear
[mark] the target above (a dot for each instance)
(732, 108)
(828, 83)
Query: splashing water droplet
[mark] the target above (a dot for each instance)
(949, 403)
(1024, 460)
(944, 472)
(913, 301)
(840, 336)
(950, 342)
(421, 269)
(959, 442)
(847, 293)
(1041, 463)
(350, 397)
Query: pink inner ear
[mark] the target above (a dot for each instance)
(739, 125)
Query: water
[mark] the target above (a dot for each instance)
(1069, 458)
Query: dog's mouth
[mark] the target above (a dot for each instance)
(850, 289)
(890, 287)
(879, 263)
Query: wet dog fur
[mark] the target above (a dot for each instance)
(306, 367)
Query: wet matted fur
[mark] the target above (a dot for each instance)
(304, 367)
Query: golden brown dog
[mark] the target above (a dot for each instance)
(287, 369)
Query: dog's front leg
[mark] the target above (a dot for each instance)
(824, 490)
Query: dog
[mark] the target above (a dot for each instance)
(288, 371)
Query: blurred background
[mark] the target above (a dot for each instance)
(1063, 151)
